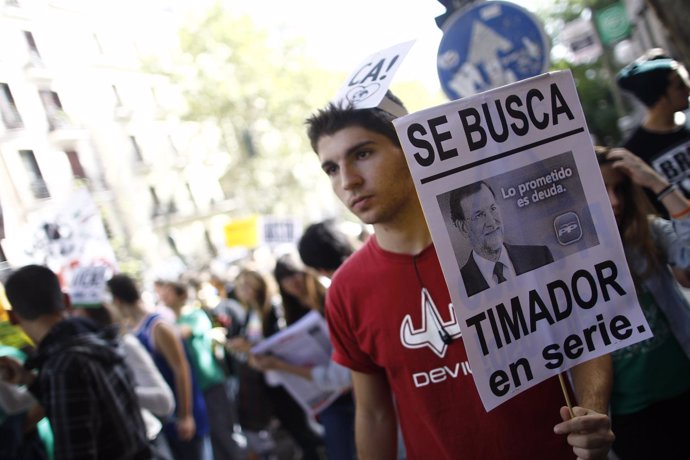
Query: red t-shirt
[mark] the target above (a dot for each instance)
(377, 322)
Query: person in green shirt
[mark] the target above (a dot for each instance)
(195, 327)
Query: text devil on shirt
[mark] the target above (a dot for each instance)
(499, 119)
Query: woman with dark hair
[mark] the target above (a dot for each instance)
(651, 387)
(302, 291)
(257, 401)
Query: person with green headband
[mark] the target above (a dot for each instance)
(662, 85)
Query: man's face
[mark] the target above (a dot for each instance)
(169, 297)
(368, 173)
(482, 224)
(678, 92)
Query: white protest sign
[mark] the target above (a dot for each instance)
(304, 343)
(66, 235)
(512, 173)
(88, 286)
(367, 85)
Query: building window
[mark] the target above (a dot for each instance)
(34, 55)
(172, 206)
(38, 186)
(247, 140)
(190, 194)
(117, 101)
(156, 211)
(57, 118)
(98, 46)
(136, 150)
(173, 147)
(75, 164)
(8, 109)
(154, 96)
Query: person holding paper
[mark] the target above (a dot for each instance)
(327, 249)
(258, 401)
(651, 386)
(420, 373)
(492, 261)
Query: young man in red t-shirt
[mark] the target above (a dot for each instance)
(388, 305)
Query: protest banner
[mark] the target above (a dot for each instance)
(2, 223)
(88, 286)
(68, 235)
(366, 86)
(304, 343)
(242, 232)
(512, 172)
(257, 230)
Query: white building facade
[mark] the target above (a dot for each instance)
(77, 110)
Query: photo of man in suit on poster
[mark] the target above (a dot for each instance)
(492, 261)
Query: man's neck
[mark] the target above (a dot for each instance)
(660, 120)
(176, 309)
(408, 234)
(37, 329)
(133, 314)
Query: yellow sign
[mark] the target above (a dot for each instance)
(243, 232)
(4, 304)
(13, 336)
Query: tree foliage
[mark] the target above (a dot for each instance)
(593, 80)
(592, 83)
(257, 89)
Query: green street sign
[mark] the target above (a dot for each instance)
(612, 23)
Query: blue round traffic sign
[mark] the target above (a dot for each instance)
(490, 44)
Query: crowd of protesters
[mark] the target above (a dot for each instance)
(174, 378)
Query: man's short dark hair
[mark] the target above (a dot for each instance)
(323, 246)
(34, 291)
(123, 288)
(461, 193)
(333, 118)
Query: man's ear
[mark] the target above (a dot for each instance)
(67, 302)
(460, 224)
(14, 321)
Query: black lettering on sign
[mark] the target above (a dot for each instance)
(494, 120)
(373, 71)
(583, 290)
(500, 381)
